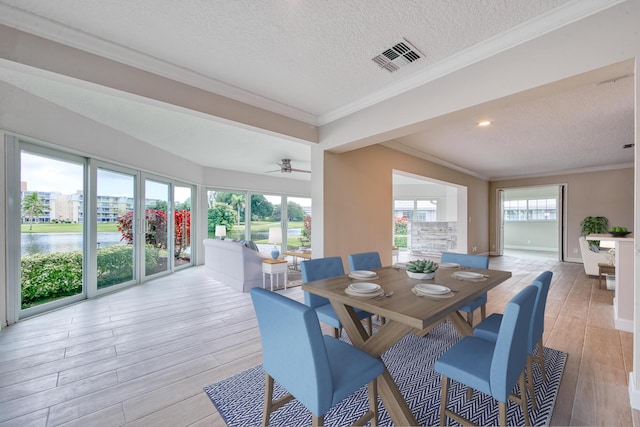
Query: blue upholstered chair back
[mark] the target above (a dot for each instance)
(510, 354)
(542, 283)
(466, 260)
(364, 261)
(293, 349)
(316, 269)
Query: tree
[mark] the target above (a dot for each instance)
(295, 212)
(220, 214)
(186, 205)
(237, 202)
(261, 208)
(156, 232)
(33, 207)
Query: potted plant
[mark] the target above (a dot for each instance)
(594, 225)
(422, 269)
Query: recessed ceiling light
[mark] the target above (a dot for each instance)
(484, 123)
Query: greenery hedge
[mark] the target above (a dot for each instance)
(46, 277)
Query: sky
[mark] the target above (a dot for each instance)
(56, 176)
(52, 175)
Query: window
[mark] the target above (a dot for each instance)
(530, 210)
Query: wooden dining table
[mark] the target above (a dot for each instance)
(404, 312)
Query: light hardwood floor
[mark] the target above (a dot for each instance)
(142, 356)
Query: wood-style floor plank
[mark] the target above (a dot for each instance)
(142, 356)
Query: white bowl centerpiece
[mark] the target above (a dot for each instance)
(422, 269)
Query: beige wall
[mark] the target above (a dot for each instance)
(358, 194)
(604, 193)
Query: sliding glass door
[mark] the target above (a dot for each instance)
(52, 233)
(156, 227)
(115, 226)
(182, 196)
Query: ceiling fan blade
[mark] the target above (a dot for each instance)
(300, 170)
(277, 170)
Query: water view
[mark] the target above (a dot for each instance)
(38, 243)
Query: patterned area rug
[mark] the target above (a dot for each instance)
(239, 399)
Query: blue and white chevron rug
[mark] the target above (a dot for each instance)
(239, 399)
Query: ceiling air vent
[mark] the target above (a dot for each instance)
(398, 56)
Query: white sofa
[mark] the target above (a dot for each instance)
(233, 264)
(590, 259)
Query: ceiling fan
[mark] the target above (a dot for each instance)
(285, 167)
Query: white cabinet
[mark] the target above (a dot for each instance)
(624, 297)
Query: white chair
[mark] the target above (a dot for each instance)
(590, 259)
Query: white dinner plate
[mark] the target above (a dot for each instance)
(363, 274)
(364, 287)
(468, 275)
(432, 289)
(449, 265)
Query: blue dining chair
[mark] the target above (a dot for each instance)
(317, 370)
(488, 330)
(364, 261)
(471, 261)
(324, 268)
(493, 368)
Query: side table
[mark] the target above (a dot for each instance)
(271, 267)
(604, 268)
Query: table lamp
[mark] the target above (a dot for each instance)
(221, 231)
(275, 237)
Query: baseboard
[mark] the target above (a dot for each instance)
(531, 248)
(634, 393)
(621, 324)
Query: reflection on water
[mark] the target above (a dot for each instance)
(42, 243)
(257, 236)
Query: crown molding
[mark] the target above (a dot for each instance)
(27, 22)
(565, 172)
(561, 16)
(398, 146)
(543, 24)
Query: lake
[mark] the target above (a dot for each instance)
(39, 243)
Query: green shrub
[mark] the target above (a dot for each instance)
(115, 265)
(46, 277)
(49, 276)
(400, 241)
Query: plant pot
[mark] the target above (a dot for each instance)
(421, 276)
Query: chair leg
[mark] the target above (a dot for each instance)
(336, 332)
(373, 401)
(470, 318)
(469, 393)
(539, 357)
(483, 311)
(317, 421)
(523, 400)
(444, 397)
(370, 325)
(502, 409)
(532, 396)
(268, 399)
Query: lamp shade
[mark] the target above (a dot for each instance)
(275, 235)
(221, 231)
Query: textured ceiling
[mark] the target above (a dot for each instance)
(312, 61)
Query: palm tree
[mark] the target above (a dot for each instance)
(237, 201)
(33, 207)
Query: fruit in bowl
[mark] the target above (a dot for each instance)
(422, 269)
(619, 231)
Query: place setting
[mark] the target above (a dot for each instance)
(432, 291)
(449, 265)
(363, 275)
(365, 290)
(470, 276)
